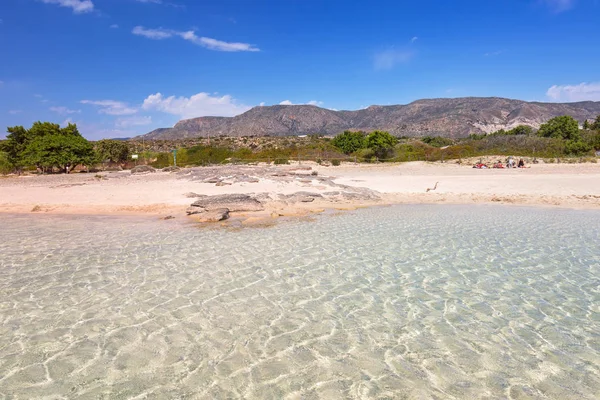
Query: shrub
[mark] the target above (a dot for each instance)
(281, 161)
(335, 162)
(349, 141)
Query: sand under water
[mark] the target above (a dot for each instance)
(408, 301)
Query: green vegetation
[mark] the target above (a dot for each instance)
(114, 151)
(350, 142)
(47, 146)
(50, 148)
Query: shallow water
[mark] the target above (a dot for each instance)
(399, 302)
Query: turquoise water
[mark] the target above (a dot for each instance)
(418, 302)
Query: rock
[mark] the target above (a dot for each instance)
(142, 169)
(171, 169)
(191, 195)
(168, 217)
(302, 197)
(212, 180)
(223, 184)
(113, 168)
(195, 210)
(217, 215)
(234, 202)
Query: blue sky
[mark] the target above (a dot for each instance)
(119, 68)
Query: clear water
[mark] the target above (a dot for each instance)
(444, 302)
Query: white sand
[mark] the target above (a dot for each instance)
(565, 185)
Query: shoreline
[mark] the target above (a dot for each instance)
(301, 190)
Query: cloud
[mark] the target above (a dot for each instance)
(1, 83)
(559, 6)
(198, 105)
(388, 59)
(111, 107)
(414, 39)
(133, 121)
(78, 6)
(582, 92)
(209, 43)
(310, 103)
(114, 26)
(64, 110)
(262, 104)
(15, 112)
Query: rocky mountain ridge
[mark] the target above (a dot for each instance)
(456, 117)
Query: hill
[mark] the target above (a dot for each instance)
(435, 117)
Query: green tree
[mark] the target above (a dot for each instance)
(586, 125)
(115, 151)
(521, 130)
(62, 151)
(47, 145)
(349, 141)
(596, 125)
(564, 127)
(14, 145)
(382, 143)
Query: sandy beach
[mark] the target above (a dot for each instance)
(291, 190)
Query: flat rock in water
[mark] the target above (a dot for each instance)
(217, 215)
(233, 202)
(142, 169)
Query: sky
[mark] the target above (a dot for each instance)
(120, 68)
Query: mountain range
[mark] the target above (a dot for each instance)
(455, 118)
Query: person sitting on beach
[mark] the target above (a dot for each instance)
(521, 163)
(499, 164)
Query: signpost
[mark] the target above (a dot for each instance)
(134, 157)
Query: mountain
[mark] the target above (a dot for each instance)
(435, 117)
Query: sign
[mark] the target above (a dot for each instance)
(134, 156)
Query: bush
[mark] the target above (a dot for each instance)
(563, 127)
(5, 167)
(577, 147)
(281, 161)
(335, 163)
(349, 141)
(437, 141)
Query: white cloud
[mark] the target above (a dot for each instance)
(209, 43)
(262, 104)
(581, 92)
(114, 26)
(150, 1)
(414, 39)
(111, 107)
(559, 6)
(388, 59)
(67, 122)
(63, 110)
(156, 34)
(15, 112)
(310, 103)
(78, 6)
(198, 105)
(133, 121)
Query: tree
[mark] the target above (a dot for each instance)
(382, 143)
(14, 145)
(586, 125)
(349, 141)
(47, 145)
(596, 125)
(62, 151)
(564, 127)
(521, 130)
(115, 151)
